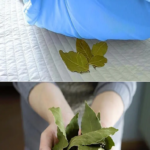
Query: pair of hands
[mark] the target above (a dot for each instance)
(49, 137)
(47, 95)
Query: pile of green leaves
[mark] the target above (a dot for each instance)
(79, 61)
(93, 136)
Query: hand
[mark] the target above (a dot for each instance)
(42, 97)
(49, 137)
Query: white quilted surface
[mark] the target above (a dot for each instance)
(28, 53)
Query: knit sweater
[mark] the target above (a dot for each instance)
(75, 94)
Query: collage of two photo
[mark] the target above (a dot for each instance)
(74, 75)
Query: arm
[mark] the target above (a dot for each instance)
(41, 97)
(47, 95)
(112, 100)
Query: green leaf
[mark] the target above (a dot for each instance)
(98, 116)
(83, 48)
(95, 147)
(89, 148)
(109, 143)
(75, 62)
(98, 61)
(90, 121)
(63, 143)
(94, 137)
(99, 49)
(72, 148)
(58, 119)
(72, 128)
(80, 147)
(61, 134)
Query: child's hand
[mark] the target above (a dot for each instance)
(49, 137)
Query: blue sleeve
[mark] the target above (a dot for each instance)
(91, 19)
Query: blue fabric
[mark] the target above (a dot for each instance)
(92, 19)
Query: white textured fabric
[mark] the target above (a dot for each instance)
(28, 53)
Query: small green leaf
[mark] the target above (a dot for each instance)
(80, 147)
(75, 62)
(83, 48)
(109, 143)
(72, 128)
(63, 143)
(90, 121)
(99, 49)
(90, 138)
(61, 134)
(98, 116)
(58, 119)
(98, 61)
(90, 147)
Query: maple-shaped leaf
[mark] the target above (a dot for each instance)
(83, 48)
(75, 62)
(99, 49)
(98, 61)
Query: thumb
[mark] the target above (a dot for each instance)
(45, 142)
(48, 137)
(79, 133)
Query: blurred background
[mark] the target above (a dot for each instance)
(136, 129)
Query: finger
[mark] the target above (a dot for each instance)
(79, 133)
(45, 142)
(55, 140)
(45, 148)
(47, 139)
